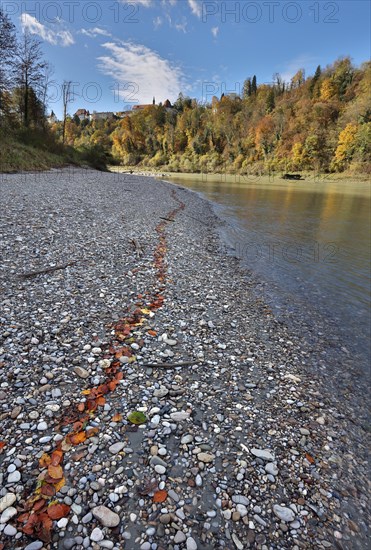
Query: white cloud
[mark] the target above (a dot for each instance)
(299, 62)
(196, 7)
(144, 3)
(147, 72)
(157, 22)
(96, 31)
(215, 31)
(54, 37)
(182, 26)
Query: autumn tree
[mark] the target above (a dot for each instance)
(247, 88)
(346, 147)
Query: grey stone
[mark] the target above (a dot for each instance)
(284, 513)
(107, 517)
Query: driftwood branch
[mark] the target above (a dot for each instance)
(31, 274)
(167, 219)
(170, 365)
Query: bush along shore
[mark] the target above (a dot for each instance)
(149, 398)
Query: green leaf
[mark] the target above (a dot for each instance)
(137, 417)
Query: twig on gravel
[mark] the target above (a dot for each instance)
(46, 270)
(137, 247)
(171, 365)
(167, 219)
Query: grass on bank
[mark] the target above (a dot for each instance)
(33, 151)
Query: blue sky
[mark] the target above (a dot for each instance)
(118, 53)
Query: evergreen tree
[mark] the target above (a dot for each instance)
(254, 87)
(315, 79)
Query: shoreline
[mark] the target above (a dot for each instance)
(308, 177)
(226, 488)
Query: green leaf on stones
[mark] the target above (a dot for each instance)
(137, 418)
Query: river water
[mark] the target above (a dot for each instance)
(308, 240)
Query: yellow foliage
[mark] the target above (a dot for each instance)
(328, 90)
(346, 144)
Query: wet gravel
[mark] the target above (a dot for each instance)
(255, 441)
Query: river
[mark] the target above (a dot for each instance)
(308, 240)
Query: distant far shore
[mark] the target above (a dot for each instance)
(306, 177)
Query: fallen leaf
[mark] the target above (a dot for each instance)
(44, 461)
(77, 426)
(119, 375)
(78, 438)
(2, 445)
(81, 407)
(160, 496)
(85, 392)
(152, 332)
(44, 530)
(23, 517)
(58, 511)
(112, 385)
(61, 483)
(39, 504)
(56, 458)
(101, 401)
(117, 417)
(137, 418)
(309, 458)
(55, 472)
(32, 521)
(47, 490)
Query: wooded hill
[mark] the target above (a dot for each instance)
(321, 123)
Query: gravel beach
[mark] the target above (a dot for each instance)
(243, 435)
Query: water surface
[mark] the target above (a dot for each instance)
(309, 240)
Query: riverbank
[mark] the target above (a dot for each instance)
(248, 444)
(39, 152)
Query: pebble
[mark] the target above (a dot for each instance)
(106, 516)
(284, 513)
(35, 545)
(116, 447)
(7, 514)
(271, 468)
(191, 544)
(42, 426)
(14, 477)
(264, 454)
(7, 500)
(205, 457)
(240, 499)
(10, 531)
(179, 416)
(96, 535)
(81, 372)
(179, 537)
